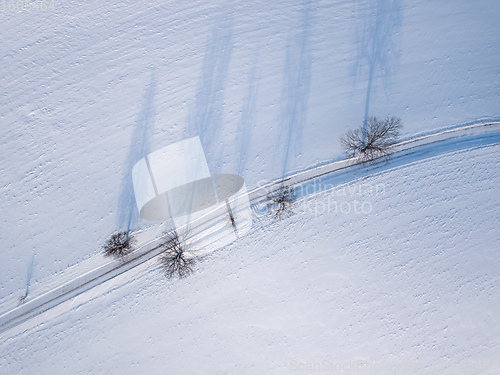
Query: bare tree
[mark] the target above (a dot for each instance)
(119, 244)
(373, 140)
(232, 218)
(22, 299)
(173, 260)
(281, 203)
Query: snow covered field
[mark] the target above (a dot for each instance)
(89, 88)
(411, 282)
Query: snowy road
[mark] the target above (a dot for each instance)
(413, 283)
(146, 251)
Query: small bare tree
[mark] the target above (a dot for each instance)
(119, 244)
(281, 202)
(373, 140)
(22, 299)
(232, 218)
(173, 260)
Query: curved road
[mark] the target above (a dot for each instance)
(149, 250)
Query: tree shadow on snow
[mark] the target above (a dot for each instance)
(140, 146)
(247, 121)
(205, 120)
(296, 89)
(377, 44)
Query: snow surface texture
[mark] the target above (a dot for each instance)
(92, 87)
(304, 183)
(411, 281)
(88, 89)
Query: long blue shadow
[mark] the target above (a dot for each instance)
(247, 122)
(376, 46)
(205, 120)
(296, 88)
(31, 266)
(140, 146)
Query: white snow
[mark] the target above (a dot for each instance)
(90, 88)
(413, 282)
